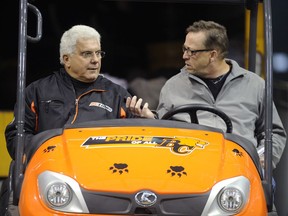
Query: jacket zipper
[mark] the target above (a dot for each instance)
(77, 103)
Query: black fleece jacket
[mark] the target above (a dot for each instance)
(51, 102)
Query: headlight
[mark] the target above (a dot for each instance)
(61, 193)
(228, 197)
(231, 199)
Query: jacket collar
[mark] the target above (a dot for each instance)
(236, 71)
(99, 83)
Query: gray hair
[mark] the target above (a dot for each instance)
(70, 37)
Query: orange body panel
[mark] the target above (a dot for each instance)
(148, 155)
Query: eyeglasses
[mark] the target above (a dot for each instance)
(90, 54)
(193, 52)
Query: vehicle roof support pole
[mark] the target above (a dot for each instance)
(268, 100)
(18, 172)
(21, 83)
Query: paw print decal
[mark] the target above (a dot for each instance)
(49, 149)
(237, 152)
(119, 168)
(177, 170)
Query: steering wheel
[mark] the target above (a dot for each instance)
(192, 109)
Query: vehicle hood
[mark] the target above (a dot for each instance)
(130, 159)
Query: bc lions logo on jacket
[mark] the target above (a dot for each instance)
(103, 106)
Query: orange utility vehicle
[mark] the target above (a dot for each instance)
(141, 166)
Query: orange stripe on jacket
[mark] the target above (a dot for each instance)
(32, 107)
(122, 113)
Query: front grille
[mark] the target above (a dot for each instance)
(125, 204)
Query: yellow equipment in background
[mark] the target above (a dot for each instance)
(260, 49)
(5, 118)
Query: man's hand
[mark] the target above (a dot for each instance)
(136, 108)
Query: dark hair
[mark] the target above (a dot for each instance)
(216, 35)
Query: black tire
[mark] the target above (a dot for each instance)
(12, 210)
(4, 197)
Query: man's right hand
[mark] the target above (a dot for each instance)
(136, 108)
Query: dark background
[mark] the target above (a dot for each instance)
(141, 38)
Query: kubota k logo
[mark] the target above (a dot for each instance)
(145, 198)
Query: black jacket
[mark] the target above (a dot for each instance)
(51, 103)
